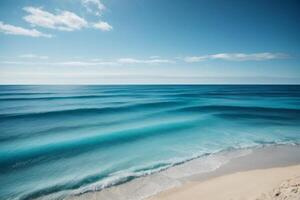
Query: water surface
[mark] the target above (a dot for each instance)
(71, 139)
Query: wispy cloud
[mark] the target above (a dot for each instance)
(84, 63)
(121, 61)
(64, 21)
(148, 61)
(16, 30)
(192, 59)
(32, 56)
(236, 57)
(93, 6)
(62, 63)
(152, 60)
(104, 26)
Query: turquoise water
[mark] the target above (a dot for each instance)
(60, 140)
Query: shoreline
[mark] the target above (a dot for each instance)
(199, 170)
(260, 184)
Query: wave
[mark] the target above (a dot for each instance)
(106, 139)
(74, 146)
(25, 93)
(182, 107)
(65, 128)
(244, 110)
(90, 183)
(81, 145)
(208, 108)
(284, 120)
(48, 98)
(97, 182)
(167, 93)
(90, 111)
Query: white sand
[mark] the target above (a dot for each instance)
(264, 184)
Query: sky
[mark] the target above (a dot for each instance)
(149, 42)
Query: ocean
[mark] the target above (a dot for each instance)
(57, 141)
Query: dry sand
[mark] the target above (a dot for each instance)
(264, 184)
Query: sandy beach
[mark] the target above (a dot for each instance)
(271, 172)
(265, 184)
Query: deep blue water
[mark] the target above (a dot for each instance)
(62, 139)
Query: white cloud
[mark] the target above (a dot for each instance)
(65, 20)
(33, 56)
(245, 57)
(149, 61)
(15, 30)
(192, 59)
(84, 63)
(93, 6)
(104, 26)
(121, 61)
(236, 57)
(63, 63)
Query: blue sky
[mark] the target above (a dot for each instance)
(149, 41)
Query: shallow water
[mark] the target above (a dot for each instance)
(71, 139)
